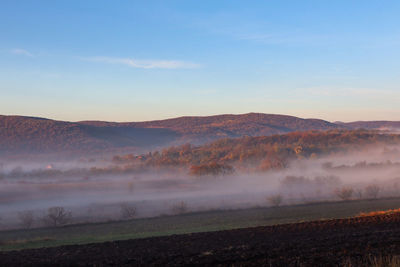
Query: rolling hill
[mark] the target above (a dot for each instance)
(37, 135)
(40, 135)
(201, 129)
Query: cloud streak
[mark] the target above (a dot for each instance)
(145, 64)
(21, 52)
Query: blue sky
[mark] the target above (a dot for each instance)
(143, 60)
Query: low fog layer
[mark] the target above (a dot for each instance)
(89, 198)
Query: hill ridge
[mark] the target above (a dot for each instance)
(36, 134)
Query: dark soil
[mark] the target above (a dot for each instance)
(319, 243)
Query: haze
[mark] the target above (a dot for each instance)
(93, 196)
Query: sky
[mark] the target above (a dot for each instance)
(145, 60)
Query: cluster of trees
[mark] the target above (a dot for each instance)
(54, 217)
(255, 153)
(344, 193)
(348, 193)
(261, 153)
(59, 216)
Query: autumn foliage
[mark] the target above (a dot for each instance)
(265, 152)
(261, 153)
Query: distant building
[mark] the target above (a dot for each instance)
(49, 167)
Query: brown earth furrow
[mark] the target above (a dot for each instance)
(318, 243)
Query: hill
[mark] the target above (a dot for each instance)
(201, 129)
(30, 134)
(37, 135)
(19, 134)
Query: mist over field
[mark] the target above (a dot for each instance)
(91, 196)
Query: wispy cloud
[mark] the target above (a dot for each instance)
(21, 52)
(145, 64)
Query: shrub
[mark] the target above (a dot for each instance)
(127, 211)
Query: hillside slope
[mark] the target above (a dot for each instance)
(37, 135)
(34, 135)
(202, 129)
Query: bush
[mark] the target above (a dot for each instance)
(127, 211)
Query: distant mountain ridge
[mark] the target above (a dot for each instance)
(39, 135)
(253, 124)
(33, 135)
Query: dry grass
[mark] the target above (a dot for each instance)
(380, 212)
(385, 261)
(374, 261)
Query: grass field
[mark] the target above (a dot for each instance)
(188, 223)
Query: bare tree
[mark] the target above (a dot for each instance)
(372, 190)
(26, 218)
(358, 193)
(344, 193)
(127, 211)
(275, 200)
(180, 207)
(57, 216)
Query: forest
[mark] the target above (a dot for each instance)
(256, 153)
